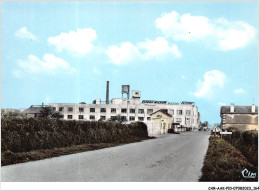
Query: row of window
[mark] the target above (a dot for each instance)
(131, 118)
(123, 110)
(93, 117)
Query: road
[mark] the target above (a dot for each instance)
(168, 158)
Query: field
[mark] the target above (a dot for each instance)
(24, 140)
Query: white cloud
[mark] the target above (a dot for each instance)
(125, 53)
(25, 34)
(222, 34)
(49, 64)
(221, 103)
(159, 48)
(212, 81)
(75, 42)
(183, 77)
(239, 91)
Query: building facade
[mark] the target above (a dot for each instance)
(240, 117)
(131, 110)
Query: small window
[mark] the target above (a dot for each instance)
(92, 117)
(148, 118)
(103, 110)
(123, 110)
(81, 109)
(70, 117)
(140, 110)
(188, 112)
(103, 117)
(81, 116)
(61, 108)
(53, 108)
(149, 111)
(171, 111)
(178, 120)
(92, 110)
(113, 110)
(132, 110)
(187, 120)
(179, 112)
(123, 118)
(140, 118)
(62, 116)
(70, 109)
(131, 118)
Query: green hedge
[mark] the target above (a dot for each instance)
(246, 142)
(224, 162)
(24, 135)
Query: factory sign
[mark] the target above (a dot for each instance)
(153, 101)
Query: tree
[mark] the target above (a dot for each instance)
(205, 124)
(49, 112)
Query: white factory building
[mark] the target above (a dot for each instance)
(132, 109)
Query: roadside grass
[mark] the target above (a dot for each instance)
(8, 157)
(224, 162)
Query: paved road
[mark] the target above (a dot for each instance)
(169, 158)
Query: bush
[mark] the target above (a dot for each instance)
(224, 162)
(24, 135)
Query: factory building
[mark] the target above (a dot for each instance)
(132, 109)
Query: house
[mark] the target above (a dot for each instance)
(34, 111)
(240, 117)
(161, 121)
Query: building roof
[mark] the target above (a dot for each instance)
(33, 109)
(163, 111)
(238, 109)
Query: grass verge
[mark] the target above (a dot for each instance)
(8, 157)
(224, 162)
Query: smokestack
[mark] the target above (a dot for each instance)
(107, 93)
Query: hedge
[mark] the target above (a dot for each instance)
(24, 135)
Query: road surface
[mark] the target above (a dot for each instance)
(168, 158)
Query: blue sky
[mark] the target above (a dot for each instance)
(64, 52)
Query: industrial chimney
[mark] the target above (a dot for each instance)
(107, 93)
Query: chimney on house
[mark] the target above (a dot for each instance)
(253, 108)
(107, 93)
(232, 108)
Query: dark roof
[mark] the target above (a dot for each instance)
(238, 109)
(33, 109)
(163, 111)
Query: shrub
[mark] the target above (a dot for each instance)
(23, 135)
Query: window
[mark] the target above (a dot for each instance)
(171, 111)
(69, 116)
(132, 110)
(81, 109)
(103, 110)
(188, 112)
(113, 110)
(140, 118)
(131, 118)
(149, 111)
(70, 109)
(123, 110)
(81, 116)
(123, 118)
(148, 118)
(92, 109)
(61, 108)
(187, 120)
(178, 120)
(179, 112)
(140, 110)
(173, 120)
(62, 116)
(53, 108)
(158, 116)
(92, 117)
(103, 117)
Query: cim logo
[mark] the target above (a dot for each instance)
(248, 174)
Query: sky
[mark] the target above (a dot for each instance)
(64, 52)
